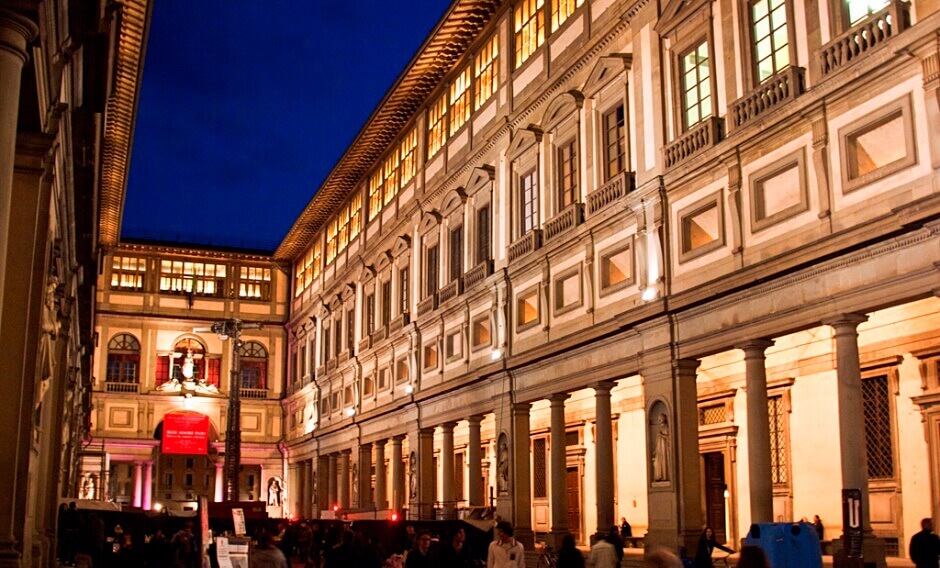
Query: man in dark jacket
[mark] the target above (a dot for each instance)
(421, 556)
(925, 546)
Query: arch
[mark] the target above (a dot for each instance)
(123, 364)
(124, 342)
(560, 107)
(254, 365)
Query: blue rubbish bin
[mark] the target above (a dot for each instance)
(788, 545)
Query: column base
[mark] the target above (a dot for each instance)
(874, 553)
(555, 537)
(525, 536)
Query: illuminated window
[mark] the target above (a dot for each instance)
(771, 40)
(254, 282)
(880, 144)
(404, 297)
(199, 278)
(350, 329)
(409, 146)
(529, 201)
(567, 291)
(307, 269)
(562, 9)
(701, 229)
(616, 269)
(527, 309)
(695, 70)
(777, 414)
(375, 193)
(456, 253)
(483, 234)
(127, 272)
(858, 10)
(567, 173)
(614, 146)
(480, 333)
(343, 228)
(459, 101)
(879, 442)
(401, 371)
(430, 357)
(253, 365)
(123, 359)
(453, 345)
(485, 75)
(391, 179)
(437, 131)
(529, 28)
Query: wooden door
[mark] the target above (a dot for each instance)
(574, 503)
(715, 494)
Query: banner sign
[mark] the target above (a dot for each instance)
(185, 434)
(852, 522)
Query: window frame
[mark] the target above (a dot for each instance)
(557, 285)
(534, 189)
(430, 346)
(523, 50)
(602, 268)
(621, 141)
(457, 354)
(486, 72)
(869, 122)
(518, 302)
(751, 63)
(475, 347)
(692, 210)
(756, 181)
(681, 117)
(455, 252)
(567, 153)
(120, 272)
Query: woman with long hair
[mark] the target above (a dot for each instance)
(706, 545)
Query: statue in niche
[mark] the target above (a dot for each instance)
(661, 449)
(274, 492)
(89, 486)
(355, 484)
(413, 477)
(502, 466)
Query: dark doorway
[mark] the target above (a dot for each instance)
(574, 503)
(715, 494)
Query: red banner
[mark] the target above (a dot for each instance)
(185, 434)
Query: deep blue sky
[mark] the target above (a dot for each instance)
(246, 106)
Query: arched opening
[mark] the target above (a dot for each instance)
(123, 360)
(254, 365)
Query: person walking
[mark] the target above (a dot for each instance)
(505, 552)
(925, 546)
(568, 555)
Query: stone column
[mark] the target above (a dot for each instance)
(344, 479)
(427, 478)
(309, 498)
(365, 475)
(559, 470)
(220, 484)
(448, 496)
(323, 484)
(380, 498)
(475, 459)
(604, 451)
(687, 468)
(332, 493)
(398, 474)
(758, 432)
(521, 489)
(138, 484)
(301, 494)
(148, 485)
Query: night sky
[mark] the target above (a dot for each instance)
(246, 106)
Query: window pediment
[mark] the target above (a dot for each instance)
(383, 261)
(480, 177)
(336, 303)
(402, 245)
(606, 69)
(454, 201)
(429, 221)
(678, 12)
(366, 273)
(523, 139)
(349, 290)
(563, 106)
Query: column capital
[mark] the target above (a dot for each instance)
(476, 419)
(16, 33)
(754, 347)
(521, 408)
(380, 443)
(365, 445)
(345, 453)
(559, 398)
(845, 323)
(603, 387)
(398, 438)
(448, 426)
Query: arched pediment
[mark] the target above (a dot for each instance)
(336, 303)
(383, 261)
(402, 245)
(523, 139)
(454, 201)
(563, 106)
(349, 290)
(606, 69)
(430, 220)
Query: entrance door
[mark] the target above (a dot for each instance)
(574, 503)
(715, 494)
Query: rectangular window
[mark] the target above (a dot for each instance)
(409, 145)
(614, 142)
(879, 444)
(199, 278)
(254, 282)
(460, 100)
(458, 475)
(386, 300)
(453, 345)
(456, 253)
(168, 481)
(485, 72)
(429, 358)
(771, 39)
(326, 344)
(562, 10)
(616, 269)
(391, 178)
(529, 201)
(528, 28)
(347, 396)
(188, 480)
(879, 145)
(437, 128)
(369, 315)
(527, 309)
(404, 297)
(401, 371)
(343, 228)
(701, 229)
(480, 332)
(308, 269)
(567, 173)
(367, 386)
(334, 402)
(695, 70)
(778, 440)
(567, 291)
(483, 234)
(539, 468)
(376, 182)
(324, 405)
(383, 379)
(350, 329)
(778, 192)
(338, 335)
(128, 272)
(431, 268)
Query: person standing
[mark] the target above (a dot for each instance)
(505, 552)
(626, 531)
(421, 556)
(455, 554)
(925, 546)
(603, 554)
(568, 555)
(817, 524)
(706, 545)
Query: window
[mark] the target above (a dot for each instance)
(350, 329)
(254, 282)
(483, 234)
(527, 309)
(308, 269)
(480, 332)
(431, 268)
(529, 28)
(778, 440)
(324, 405)
(562, 9)
(616, 269)
(695, 79)
(343, 228)
(401, 370)
(368, 385)
(567, 291)
(188, 480)
(529, 194)
(485, 74)
(334, 402)
(190, 462)
(123, 359)
(404, 297)
(128, 272)
(386, 300)
(879, 145)
(539, 468)
(429, 358)
(459, 100)
(383, 379)
(453, 345)
(199, 278)
(458, 475)
(858, 10)
(347, 396)
(614, 142)
(337, 334)
(456, 253)
(778, 192)
(771, 39)
(391, 178)
(408, 156)
(376, 182)
(253, 365)
(168, 480)
(878, 440)
(326, 344)
(567, 173)
(437, 131)
(369, 315)
(701, 229)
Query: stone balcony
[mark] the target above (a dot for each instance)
(477, 274)
(398, 323)
(525, 244)
(569, 218)
(255, 394)
(615, 188)
(122, 387)
(701, 137)
(450, 290)
(772, 93)
(427, 305)
(865, 36)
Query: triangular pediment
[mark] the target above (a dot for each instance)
(563, 106)
(606, 69)
(429, 221)
(366, 273)
(676, 12)
(401, 246)
(383, 261)
(336, 303)
(349, 290)
(523, 139)
(480, 176)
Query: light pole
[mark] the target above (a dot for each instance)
(225, 329)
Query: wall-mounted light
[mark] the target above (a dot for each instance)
(649, 294)
(158, 507)
(350, 412)
(409, 389)
(497, 354)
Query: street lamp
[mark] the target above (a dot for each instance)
(232, 329)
